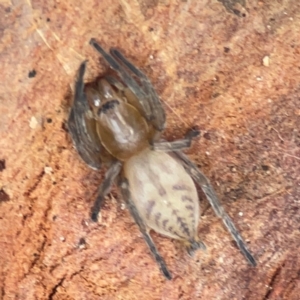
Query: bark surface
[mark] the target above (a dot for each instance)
(231, 68)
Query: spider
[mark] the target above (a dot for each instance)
(117, 121)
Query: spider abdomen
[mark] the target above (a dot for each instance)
(164, 194)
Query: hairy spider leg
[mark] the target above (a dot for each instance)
(157, 113)
(124, 187)
(87, 145)
(125, 76)
(212, 198)
(115, 82)
(177, 145)
(105, 187)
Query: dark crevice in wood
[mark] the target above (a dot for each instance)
(54, 289)
(272, 282)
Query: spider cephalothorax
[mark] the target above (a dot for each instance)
(118, 122)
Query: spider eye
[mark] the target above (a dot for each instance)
(97, 102)
(108, 106)
(93, 97)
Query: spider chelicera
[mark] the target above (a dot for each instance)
(117, 121)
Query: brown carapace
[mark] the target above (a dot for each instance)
(117, 121)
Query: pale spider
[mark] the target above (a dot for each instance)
(119, 122)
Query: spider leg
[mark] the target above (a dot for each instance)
(86, 143)
(115, 82)
(157, 113)
(177, 145)
(205, 185)
(124, 186)
(195, 246)
(126, 77)
(105, 187)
